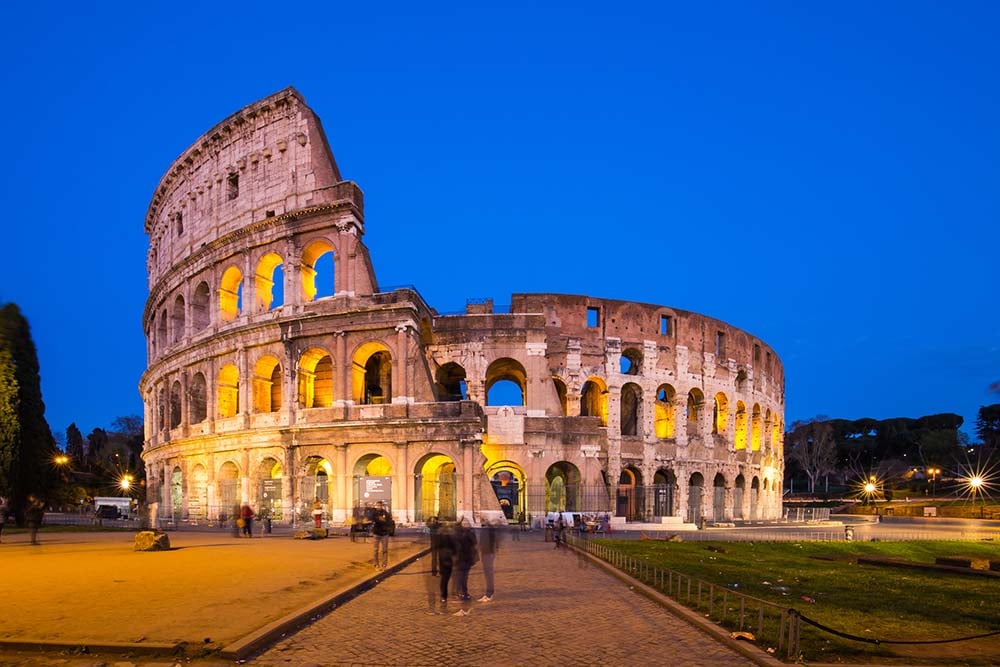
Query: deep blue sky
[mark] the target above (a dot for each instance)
(825, 177)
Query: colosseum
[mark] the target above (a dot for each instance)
(281, 374)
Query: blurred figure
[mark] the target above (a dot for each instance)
(433, 528)
(382, 527)
(236, 521)
(4, 515)
(33, 516)
(488, 546)
(246, 515)
(446, 556)
(467, 555)
(317, 513)
(558, 530)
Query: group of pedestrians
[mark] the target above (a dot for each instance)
(455, 550)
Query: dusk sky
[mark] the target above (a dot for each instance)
(822, 176)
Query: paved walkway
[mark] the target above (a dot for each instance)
(551, 607)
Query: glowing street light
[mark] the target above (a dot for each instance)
(934, 472)
(60, 459)
(125, 483)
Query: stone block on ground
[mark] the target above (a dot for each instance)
(149, 540)
(312, 534)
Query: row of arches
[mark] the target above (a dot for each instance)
(183, 317)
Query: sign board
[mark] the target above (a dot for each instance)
(930, 511)
(270, 489)
(373, 489)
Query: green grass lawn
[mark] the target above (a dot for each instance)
(822, 581)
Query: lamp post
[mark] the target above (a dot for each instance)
(934, 472)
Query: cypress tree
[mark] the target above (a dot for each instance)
(26, 443)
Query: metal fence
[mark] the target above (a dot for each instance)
(770, 624)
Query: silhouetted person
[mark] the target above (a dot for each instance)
(317, 513)
(433, 528)
(33, 516)
(382, 527)
(467, 554)
(447, 555)
(489, 543)
(558, 530)
(4, 515)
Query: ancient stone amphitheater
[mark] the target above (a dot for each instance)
(280, 374)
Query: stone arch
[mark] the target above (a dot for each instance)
(177, 318)
(775, 431)
(630, 362)
(664, 484)
(268, 274)
(754, 496)
(436, 488)
(228, 482)
(720, 414)
(696, 487)
(371, 374)
(175, 404)
(631, 409)
(231, 294)
(740, 438)
(311, 281)
(163, 340)
(229, 391)
(629, 496)
(450, 382)
(740, 486)
(664, 411)
(177, 493)
(270, 488)
(198, 399)
(563, 490)
(756, 428)
(267, 384)
(561, 392)
(201, 309)
(315, 378)
(506, 370)
(594, 399)
(198, 493)
(315, 483)
(508, 481)
(695, 404)
(719, 497)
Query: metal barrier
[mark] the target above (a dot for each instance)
(771, 624)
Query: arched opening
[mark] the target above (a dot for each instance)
(696, 485)
(664, 411)
(177, 494)
(228, 481)
(756, 428)
(315, 379)
(664, 483)
(740, 488)
(229, 391)
(267, 385)
(269, 492)
(451, 383)
(768, 432)
(720, 414)
(231, 294)
(162, 338)
(561, 395)
(754, 497)
(630, 362)
(507, 479)
(695, 402)
(372, 483)
(563, 492)
(177, 320)
(740, 438)
(315, 483)
(371, 374)
(270, 291)
(198, 395)
(594, 400)
(200, 307)
(435, 488)
(629, 500)
(631, 408)
(175, 404)
(506, 383)
(317, 270)
(198, 494)
(719, 497)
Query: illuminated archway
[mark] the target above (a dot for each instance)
(508, 481)
(228, 482)
(315, 379)
(695, 402)
(198, 493)
(756, 428)
(720, 414)
(664, 411)
(269, 272)
(312, 282)
(563, 492)
(594, 399)
(229, 391)
(435, 488)
(231, 294)
(270, 488)
(740, 438)
(267, 385)
(371, 374)
(315, 483)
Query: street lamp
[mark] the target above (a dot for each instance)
(934, 472)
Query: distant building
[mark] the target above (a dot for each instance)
(279, 377)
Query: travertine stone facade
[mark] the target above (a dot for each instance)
(280, 374)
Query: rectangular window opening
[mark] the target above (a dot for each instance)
(720, 344)
(593, 317)
(756, 354)
(234, 186)
(665, 327)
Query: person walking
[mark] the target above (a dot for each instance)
(33, 516)
(558, 530)
(468, 554)
(446, 561)
(489, 544)
(433, 529)
(246, 515)
(382, 528)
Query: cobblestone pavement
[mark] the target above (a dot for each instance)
(552, 607)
